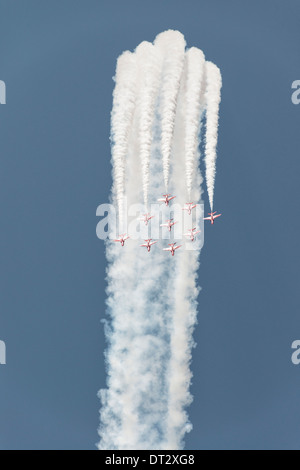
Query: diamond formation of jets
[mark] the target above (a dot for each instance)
(166, 198)
(148, 244)
(172, 248)
(212, 217)
(191, 233)
(145, 218)
(169, 224)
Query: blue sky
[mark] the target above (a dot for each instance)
(57, 59)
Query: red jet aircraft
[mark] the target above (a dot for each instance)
(212, 217)
(169, 224)
(122, 239)
(166, 198)
(172, 248)
(145, 218)
(192, 234)
(189, 207)
(148, 244)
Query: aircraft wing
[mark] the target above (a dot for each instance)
(176, 247)
(144, 245)
(167, 249)
(152, 243)
(161, 200)
(170, 198)
(117, 240)
(216, 216)
(164, 225)
(207, 218)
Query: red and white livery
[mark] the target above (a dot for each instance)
(172, 248)
(166, 198)
(122, 239)
(191, 234)
(169, 224)
(145, 218)
(212, 217)
(148, 244)
(189, 207)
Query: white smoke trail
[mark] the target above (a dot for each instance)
(194, 71)
(213, 99)
(185, 291)
(184, 283)
(149, 69)
(172, 45)
(135, 402)
(124, 97)
(134, 405)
